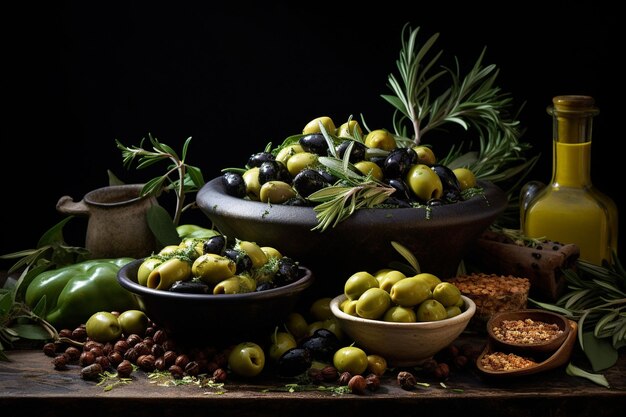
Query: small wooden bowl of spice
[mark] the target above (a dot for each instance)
(528, 331)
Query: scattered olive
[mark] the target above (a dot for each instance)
(234, 184)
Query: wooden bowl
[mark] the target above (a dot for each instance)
(544, 362)
(522, 338)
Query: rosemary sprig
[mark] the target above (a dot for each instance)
(352, 192)
(187, 178)
(470, 101)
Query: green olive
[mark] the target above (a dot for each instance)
(349, 307)
(380, 139)
(232, 285)
(133, 322)
(447, 294)
(300, 161)
(370, 168)
(380, 274)
(431, 310)
(409, 292)
(254, 252)
(287, 152)
(195, 243)
(431, 279)
(373, 303)
(246, 359)
(350, 359)
(350, 129)
(425, 155)
(146, 267)
(358, 283)
(281, 343)
(103, 327)
(332, 324)
(167, 273)
(271, 252)
(376, 364)
(453, 311)
(466, 178)
(320, 309)
(391, 278)
(424, 182)
(296, 324)
(169, 250)
(212, 268)
(253, 187)
(276, 192)
(399, 314)
(314, 126)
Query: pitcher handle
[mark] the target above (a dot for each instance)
(67, 205)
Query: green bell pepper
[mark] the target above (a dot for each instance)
(73, 293)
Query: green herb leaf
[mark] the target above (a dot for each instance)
(573, 370)
(162, 226)
(600, 352)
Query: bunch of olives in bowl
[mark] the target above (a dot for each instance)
(405, 319)
(194, 294)
(343, 210)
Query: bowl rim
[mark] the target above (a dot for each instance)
(535, 314)
(492, 200)
(465, 316)
(129, 284)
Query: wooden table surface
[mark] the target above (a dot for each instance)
(29, 385)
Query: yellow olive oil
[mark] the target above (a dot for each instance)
(570, 209)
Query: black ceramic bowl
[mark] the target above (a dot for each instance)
(439, 237)
(218, 319)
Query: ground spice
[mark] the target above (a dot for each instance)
(526, 331)
(499, 361)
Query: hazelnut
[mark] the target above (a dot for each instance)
(357, 384)
(142, 348)
(124, 369)
(192, 368)
(50, 349)
(176, 371)
(79, 334)
(406, 380)
(133, 339)
(441, 371)
(219, 375)
(344, 378)
(372, 382)
(103, 361)
(131, 354)
(86, 358)
(157, 350)
(91, 372)
(73, 353)
(159, 337)
(65, 333)
(182, 360)
(169, 357)
(121, 346)
(146, 362)
(329, 373)
(59, 362)
(115, 358)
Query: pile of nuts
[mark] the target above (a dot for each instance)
(526, 331)
(152, 352)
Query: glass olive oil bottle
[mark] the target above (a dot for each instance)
(570, 209)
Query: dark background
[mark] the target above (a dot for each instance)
(78, 75)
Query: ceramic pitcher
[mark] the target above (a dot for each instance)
(117, 220)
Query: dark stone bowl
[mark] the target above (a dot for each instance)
(216, 319)
(439, 239)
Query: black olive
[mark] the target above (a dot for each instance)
(322, 348)
(398, 162)
(234, 184)
(378, 160)
(297, 201)
(189, 287)
(308, 181)
(288, 271)
(451, 196)
(257, 159)
(330, 178)
(314, 143)
(393, 201)
(267, 285)
(274, 171)
(241, 258)
(448, 178)
(356, 154)
(402, 190)
(294, 362)
(215, 244)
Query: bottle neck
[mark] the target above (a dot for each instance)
(571, 165)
